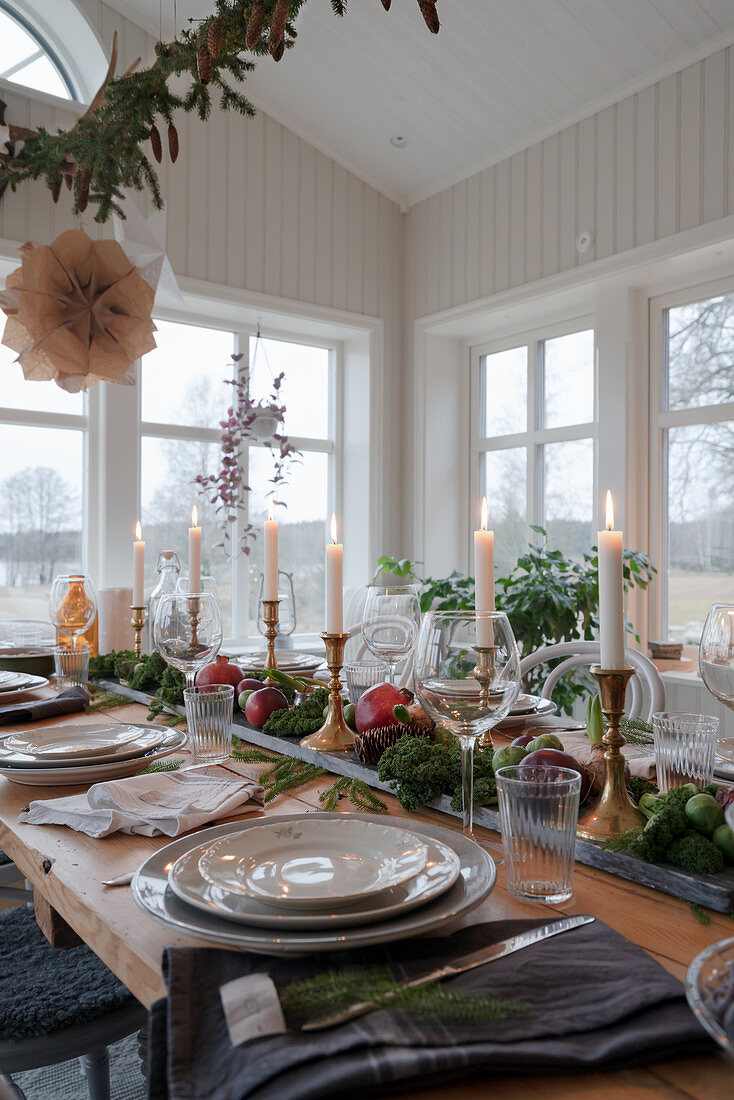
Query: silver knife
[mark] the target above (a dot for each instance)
(458, 966)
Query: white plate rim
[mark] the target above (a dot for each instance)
(88, 730)
(126, 752)
(548, 708)
(37, 683)
(152, 894)
(235, 884)
(91, 773)
(273, 918)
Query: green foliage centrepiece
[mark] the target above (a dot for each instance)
(547, 597)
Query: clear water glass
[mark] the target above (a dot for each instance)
(209, 720)
(390, 622)
(71, 666)
(539, 809)
(361, 675)
(467, 678)
(685, 748)
(716, 653)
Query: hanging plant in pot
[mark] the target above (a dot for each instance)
(248, 420)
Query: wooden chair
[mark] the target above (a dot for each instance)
(580, 654)
(72, 987)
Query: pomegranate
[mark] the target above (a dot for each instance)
(220, 671)
(374, 709)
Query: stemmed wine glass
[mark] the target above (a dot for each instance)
(716, 653)
(467, 677)
(188, 631)
(72, 604)
(390, 623)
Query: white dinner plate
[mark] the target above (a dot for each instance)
(148, 737)
(724, 763)
(544, 709)
(153, 894)
(310, 864)
(86, 774)
(294, 662)
(34, 684)
(15, 681)
(439, 875)
(73, 740)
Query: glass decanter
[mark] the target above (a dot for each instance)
(169, 571)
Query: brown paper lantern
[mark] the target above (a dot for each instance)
(79, 312)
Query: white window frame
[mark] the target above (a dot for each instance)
(660, 421)
(534, 437)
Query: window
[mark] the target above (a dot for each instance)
(42, 486)
(25, 58)
(693, 462)
(534, 437)
(183, 397)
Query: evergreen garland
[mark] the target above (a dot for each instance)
(105, 153)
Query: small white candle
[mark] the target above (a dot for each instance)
(194, 552)
(138, 568)
(270, 566)
(484, 577)
(334, 584)
(611, 593)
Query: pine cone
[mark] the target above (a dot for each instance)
(56, 189)
(370, 745)
(386, 4)
(82, 190)
(155, 143)
(276, 37)
(255, 25)
(430, 15)
(278, 52)
(214, 37)
(173, 142)
(204, 64)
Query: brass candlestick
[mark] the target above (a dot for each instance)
(194, 608)
(137, 623)
(270, 615)
(335, 735)
(485, 673)
(612, 813)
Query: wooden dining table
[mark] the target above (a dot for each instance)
(67, 868)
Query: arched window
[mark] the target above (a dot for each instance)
(26, 58)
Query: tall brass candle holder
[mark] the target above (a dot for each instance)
(137, 623)
(270, 616)
(612, 813)
(335, 735)
(485, 673)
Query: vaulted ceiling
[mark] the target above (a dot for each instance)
(499, 75)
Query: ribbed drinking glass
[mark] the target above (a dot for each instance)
(209, 720)
(71, 666)
(685, 748)
(539, 809)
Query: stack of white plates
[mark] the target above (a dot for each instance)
(525, 709)
(298, 663)
(13, 684)
(314, 882)
(76, 753)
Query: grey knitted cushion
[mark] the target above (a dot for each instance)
(44, 990)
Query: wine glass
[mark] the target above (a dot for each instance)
(466, 675)
(188, 631)
(392, 615)
(72, 604)
(716, 653)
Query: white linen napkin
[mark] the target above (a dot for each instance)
(167, 803)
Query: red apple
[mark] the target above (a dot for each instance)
(523, 740)
(375, 708)
(248, 684)
(261, 704)
(220, 671)
(557, 759)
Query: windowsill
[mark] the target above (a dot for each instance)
(690, 677)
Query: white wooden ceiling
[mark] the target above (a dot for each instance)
(499, 75)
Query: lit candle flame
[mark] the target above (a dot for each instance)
(610, 511)
(194, 516)
(333, 528)
(485, 514)
(270, 511)
(138, 531)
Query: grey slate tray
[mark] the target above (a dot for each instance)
(714, 891)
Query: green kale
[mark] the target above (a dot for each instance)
(694, 852)
(148, 673)
(102, 667)
(638, 786)
(419, 771)
(301, 720)
(485, 785)
(661, 830)
(173, 682)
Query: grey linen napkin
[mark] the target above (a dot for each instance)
(598, 1002)
(66, 702)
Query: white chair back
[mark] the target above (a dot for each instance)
(580, 654)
